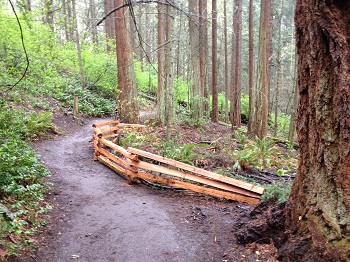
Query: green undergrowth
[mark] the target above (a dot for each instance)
(22, 187)
(226, 154)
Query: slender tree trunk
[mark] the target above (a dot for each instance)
(196, 95)
(278, 71)
(148, 34)
(215, 106)
(319, 205)
(251, 68)
(161, 63)
(203, 51)
(237, 65)
(227, 90)
(65, 18)
(169, 70)
(128, 108)
(93, 22)
(49, 19)
(109, 22)
(77, 43)
(70, 20)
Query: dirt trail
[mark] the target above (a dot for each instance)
(98, 217)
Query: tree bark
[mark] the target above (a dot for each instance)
(227, 88)
(77, 43)
(203, 50)
(93, 22)
(279, 69)
(251, 68)
(237, 65)
(128, 109)
(319, 204)
(263, 75)
(215, 103)
(109, 22)
(196, 94)
(161, 63)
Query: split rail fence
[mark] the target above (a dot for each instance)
(135, 164)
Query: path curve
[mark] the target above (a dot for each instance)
(103, 218)
(98, 217)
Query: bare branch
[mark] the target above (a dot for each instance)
(132, 3)
(24, 48)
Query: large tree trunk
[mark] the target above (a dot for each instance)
(319, 209)
(263, 72)
(128, 108)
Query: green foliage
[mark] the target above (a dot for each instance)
(54, 69)
(257, 154)
(147, 80)
(21, 185)
(240, 137)
(181, 89)
(183, 153)
(283, 121)
(277, 191)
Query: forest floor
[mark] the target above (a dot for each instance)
(97, 216)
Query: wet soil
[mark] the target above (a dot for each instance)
(99, 217)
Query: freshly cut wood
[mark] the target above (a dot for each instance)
(98, 132)
(112, 122)
(198, 189)
(119, 149)
(112, 129)
(198, 171)
(119, 161)
(114, 167)
(119, 170)
(192, 177)
(121, 125)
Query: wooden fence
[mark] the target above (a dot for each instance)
(135, 164)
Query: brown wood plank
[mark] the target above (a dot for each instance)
(130, 125)
(198, 189)
(119, 149)
(116, 159)
(192, 177)
(112, 122)
(198, 171)
(121, 171)
(98, 132)
(112, 129)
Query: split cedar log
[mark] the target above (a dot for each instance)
(198, 189)
(192, 177)
(198, 171)
(119, 170)
(112, 122)
(119, 149)
(116, 159)
(98, 132)
(131, 125)
(111, 129)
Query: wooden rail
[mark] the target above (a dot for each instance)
(127, 163)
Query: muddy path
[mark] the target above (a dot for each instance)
(98, 217)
